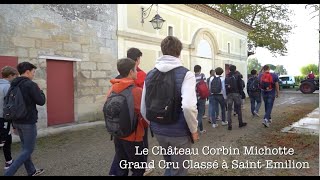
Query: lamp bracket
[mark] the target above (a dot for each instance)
(144, 14)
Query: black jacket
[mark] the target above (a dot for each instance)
(32, 96)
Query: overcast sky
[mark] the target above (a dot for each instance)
(302, 46)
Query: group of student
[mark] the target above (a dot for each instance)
(188, 108)
(16, 81)
(175, 122)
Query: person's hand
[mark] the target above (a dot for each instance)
(277, 95)
(195, 137)
(15, 131)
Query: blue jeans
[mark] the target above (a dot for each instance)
(28, 136)
(201, 105)
(268, 99)
(212, 112)
(216, 114)
(218, 99)
(255, 100)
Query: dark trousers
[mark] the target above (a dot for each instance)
(201, 105)
(115, 163)
(125, 150)
(236, 99)
(7, 138)
(145, 142)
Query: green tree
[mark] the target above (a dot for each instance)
(253, 64)
(308, 68)
(271, 24)
(280, 70)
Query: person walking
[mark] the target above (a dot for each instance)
(8, 74)
(201, 103)
(233, 85)
(254, 93)
(218, 92)
(125, 147)
(269, 85)
(26, 127)
(183, 130)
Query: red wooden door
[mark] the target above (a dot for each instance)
(60, 92)
(226, 69)
(8, 61)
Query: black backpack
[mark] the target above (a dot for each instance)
(216, 85)
(231, 83)
(253, 84)
(161, 101)
(119, 115)
(14, 107)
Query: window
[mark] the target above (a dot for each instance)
(204, 49)
(170, 31)
(228, 48)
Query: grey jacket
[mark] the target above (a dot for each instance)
(4, 87)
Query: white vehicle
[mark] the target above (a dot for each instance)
(287, 81)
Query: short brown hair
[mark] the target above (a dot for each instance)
(265, 67)
(219, 70)
(7, 71)
(134, 53)
(171, 46)
(124, 66)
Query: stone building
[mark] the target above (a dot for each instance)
(210, 38)
(75, 48)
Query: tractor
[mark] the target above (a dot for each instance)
(308, 86)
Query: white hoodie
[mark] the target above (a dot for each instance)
(188, 94)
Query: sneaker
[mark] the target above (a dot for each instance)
(243, 124)
(214, 125)
(224, 123)
(38, 172)
(204, 117)
(148, 171)
(1, 144)
(265, 123)
(230, 128)
(270, 121)
(8, 164)
(218, 118)
(209, 121)
(203, 131)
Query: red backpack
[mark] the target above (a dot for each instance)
(202, 89)
(266, 82)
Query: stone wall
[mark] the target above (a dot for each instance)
(83, 31)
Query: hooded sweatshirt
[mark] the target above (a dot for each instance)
(4, 87)
(118, 85)
(188, 93)
(32, 96)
